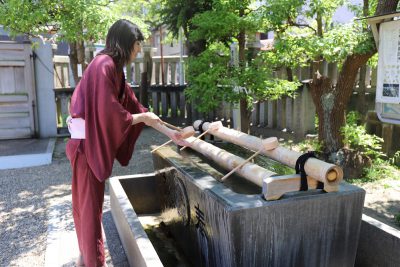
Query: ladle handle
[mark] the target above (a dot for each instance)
(171, 126)
(166, 143)
(240, 165)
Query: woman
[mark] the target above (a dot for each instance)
(106, 119)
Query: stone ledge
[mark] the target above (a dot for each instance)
(379, 244)
(20, 156)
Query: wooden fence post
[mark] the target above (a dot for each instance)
(289, 113)
(263, 114)
(146, 76)
(271, 114)
(281, 113)
(255, 115)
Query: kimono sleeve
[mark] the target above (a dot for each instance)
(108, 123)
(125, 150)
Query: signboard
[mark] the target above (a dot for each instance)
(388, 80)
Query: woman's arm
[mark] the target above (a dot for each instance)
(152, 120)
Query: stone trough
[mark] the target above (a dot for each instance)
(231, 224)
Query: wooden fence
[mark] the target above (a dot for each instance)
(293, 115)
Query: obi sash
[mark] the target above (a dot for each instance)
(76, 127)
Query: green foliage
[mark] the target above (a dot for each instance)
(179, 13)
(289, 50)
(358, 9)
(213, 80)
(204, 74)
(379, 170)
(225, 20)
(308, 33)
(342, 41)
(140, 12)
(276, 13)
(215, 26)
(324, 9)
(356, 137)
(373, 61)
(309, 145)
(74, 19)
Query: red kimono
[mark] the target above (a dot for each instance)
(109, 135)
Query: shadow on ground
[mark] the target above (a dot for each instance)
(26, 195)
(384, 211)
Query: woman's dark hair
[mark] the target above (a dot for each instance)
(120, 41)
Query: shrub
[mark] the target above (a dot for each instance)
(356, 137)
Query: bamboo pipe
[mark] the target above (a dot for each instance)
(228, 161)
(240, 165)
(330, 174)
(214, 125)
(268, 144)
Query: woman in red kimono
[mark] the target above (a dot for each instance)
(106, 119)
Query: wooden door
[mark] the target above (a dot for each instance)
(17, 91)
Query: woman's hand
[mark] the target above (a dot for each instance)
(152, 120)
(177, 138)
(148, 118)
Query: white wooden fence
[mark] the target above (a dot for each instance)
(296, 115)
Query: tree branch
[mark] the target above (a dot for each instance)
(253, 10)
(302, 25)
(295, 24)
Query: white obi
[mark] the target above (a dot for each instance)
(76, 127)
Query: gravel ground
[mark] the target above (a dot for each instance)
(26, 195)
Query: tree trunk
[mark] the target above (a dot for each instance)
(195, 48)
(77, 56)
(242, 44)
(386, 6)
(331, 118)
(361, 102)
(331, 102)
(289, 73)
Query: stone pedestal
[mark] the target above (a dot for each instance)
(230, 224)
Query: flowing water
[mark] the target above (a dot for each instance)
(168, 251)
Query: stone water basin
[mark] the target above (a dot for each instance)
(181, 215)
